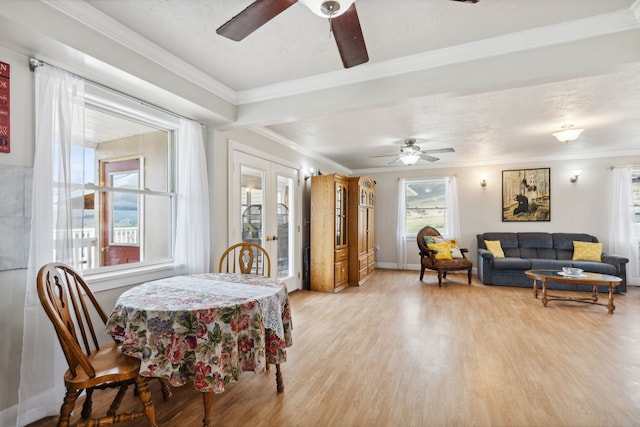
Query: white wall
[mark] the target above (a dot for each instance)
(12, 282)
(575, 207)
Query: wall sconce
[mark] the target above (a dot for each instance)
(574, 175)
(483, 182)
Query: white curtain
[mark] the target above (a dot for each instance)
(453, 217)
(401, 242)
(623, 238)
(59, 101)
(192, 218)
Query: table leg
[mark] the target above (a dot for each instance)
(535, 288)
(610, 305)
(279, 383)
(594, 293)
(207, 400)
(544, 292)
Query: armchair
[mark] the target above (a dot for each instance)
(428, 258)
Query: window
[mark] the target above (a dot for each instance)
(427, 203)
(124, 205)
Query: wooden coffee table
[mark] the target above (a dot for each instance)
(588, 279)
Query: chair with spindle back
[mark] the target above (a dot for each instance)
(70, 305)
(245, 258)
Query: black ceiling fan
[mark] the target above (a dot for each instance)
(410, 153)
(342, 15)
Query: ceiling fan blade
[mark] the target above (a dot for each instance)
(438, 150)
(253, 17)
(384, 155)
(429, 158)
(467, 1)
(348, 34)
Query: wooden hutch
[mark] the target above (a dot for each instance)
(360, 222)
(342, 244)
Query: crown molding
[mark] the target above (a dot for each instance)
(123, 35)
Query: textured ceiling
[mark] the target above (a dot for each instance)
(492, 80)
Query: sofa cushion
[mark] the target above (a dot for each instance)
(563, 243)
(548, 264)
(511, 264)
(585, 251)
(507, 240)
(535, 240)
(595, 267)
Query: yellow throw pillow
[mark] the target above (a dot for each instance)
(585, 251)
(495, 248)
(442, 249)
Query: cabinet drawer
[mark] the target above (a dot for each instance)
(371, 258)
(341, 255)
(363, 261)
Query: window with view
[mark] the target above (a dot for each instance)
(123, 205)
(426, 204)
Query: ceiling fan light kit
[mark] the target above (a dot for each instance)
(328, 8)
(409, 159)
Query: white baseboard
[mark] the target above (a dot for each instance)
(9, 416)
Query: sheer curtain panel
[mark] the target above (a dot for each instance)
(59, 120)
(401, 238)
(623, 237)
(453, 215)
(192, 219)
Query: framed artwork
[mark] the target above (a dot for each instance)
(526, 195)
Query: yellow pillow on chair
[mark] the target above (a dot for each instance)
(442, 248)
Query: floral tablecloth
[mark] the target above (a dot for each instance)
(205, 327)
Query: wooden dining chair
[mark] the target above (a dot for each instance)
(70, 305)
(245, 258)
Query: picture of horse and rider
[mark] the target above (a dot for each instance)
(526, 195)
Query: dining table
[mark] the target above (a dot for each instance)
(207, 328)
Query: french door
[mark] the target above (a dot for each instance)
(264, 208)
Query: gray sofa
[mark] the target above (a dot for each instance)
(542, 251)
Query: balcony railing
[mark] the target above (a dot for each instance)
(86, 244)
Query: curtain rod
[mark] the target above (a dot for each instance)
(34, 63)
(612, 167)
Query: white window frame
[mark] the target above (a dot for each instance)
(106, 100)
(447, 206)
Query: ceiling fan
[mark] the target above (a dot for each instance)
(342, 15)
(410, 153)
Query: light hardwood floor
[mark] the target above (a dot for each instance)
(400, 352)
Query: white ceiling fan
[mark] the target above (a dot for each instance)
(410, 153)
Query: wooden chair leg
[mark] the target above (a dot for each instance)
(421, 272)
(87, 406)
(67, 407)
(469, 275)
(117, 400)
(439, 278)
(145, 397)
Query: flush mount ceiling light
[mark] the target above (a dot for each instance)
(567, 134)
(328, 8)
